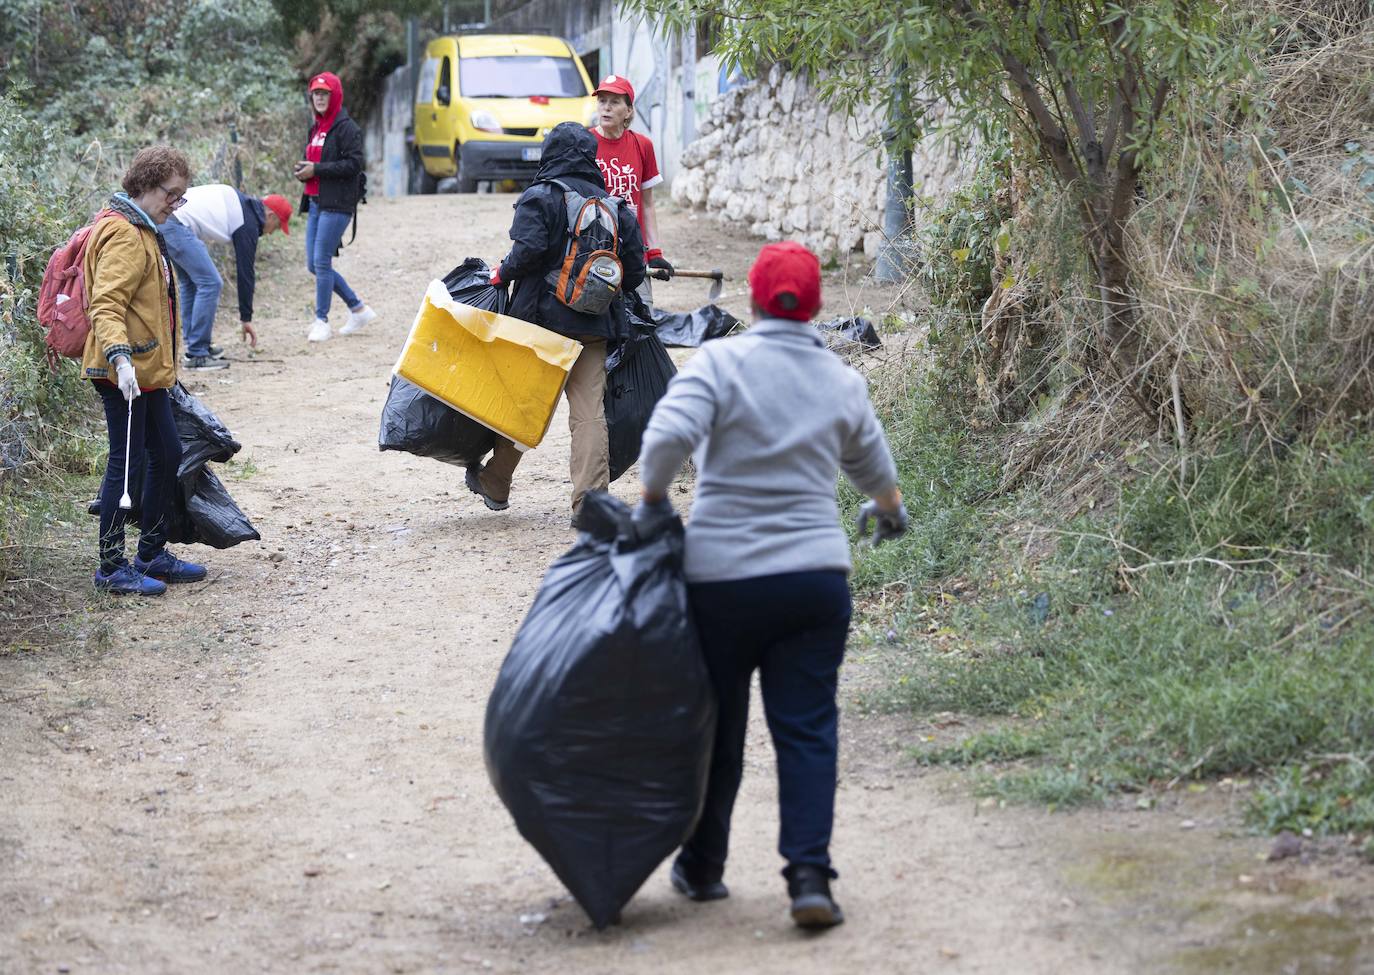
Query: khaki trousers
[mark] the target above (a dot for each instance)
(590, 463)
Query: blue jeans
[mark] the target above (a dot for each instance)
(154, 429)
(199, 283)
(792, 629)
(324, 230)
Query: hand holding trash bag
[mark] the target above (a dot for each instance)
(886, 524)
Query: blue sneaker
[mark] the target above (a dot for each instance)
(128, 581)
(169, 568)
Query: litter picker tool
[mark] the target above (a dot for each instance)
(717, 276)
(125, 501)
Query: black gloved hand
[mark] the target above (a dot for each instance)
(660, 268)
(648, 516)
(886, 524)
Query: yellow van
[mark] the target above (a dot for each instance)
(484, 102)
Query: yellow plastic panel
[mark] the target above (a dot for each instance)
(503, 372)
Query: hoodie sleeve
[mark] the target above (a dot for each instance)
(530, 232)
(631, 250)
(245, 241)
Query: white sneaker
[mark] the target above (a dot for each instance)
(319, 331)
(356, 320)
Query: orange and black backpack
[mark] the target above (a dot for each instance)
(589, 278)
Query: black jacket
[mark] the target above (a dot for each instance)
(340, 167)
(539, 236)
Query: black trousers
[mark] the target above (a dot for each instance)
(792, 629)
(154, 429)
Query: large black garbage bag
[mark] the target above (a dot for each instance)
(470, 283)
(214, 519)
(202, 510)
(599, 729)
(688, 329)
(844, 331)
(637, 375)
(417, 423)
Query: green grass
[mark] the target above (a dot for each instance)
(1223, 627)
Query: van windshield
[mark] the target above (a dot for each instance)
(520, 76)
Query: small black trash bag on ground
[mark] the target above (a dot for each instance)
(637, 375)
(599, 729)
(202, 510)
(841, 332)
(682, 329)
(417, 423)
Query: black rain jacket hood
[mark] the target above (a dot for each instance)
(570, 150)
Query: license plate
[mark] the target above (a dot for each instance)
(531, 153)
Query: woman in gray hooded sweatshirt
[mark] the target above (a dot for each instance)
(772, 417)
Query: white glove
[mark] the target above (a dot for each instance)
(128, 382)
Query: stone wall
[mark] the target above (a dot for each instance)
(772, 156)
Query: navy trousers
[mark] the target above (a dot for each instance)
(792, 629)
(154, 428)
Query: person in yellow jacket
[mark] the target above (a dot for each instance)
(131, 360)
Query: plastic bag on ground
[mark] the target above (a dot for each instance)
(637, 376)
(685, 329)
(599, 728)
(202, 510)
(841, 332)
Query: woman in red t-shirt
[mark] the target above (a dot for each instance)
(628, 164)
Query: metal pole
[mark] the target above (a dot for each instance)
(486, 13)
(892, 265)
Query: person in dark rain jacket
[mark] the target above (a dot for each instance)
(539, 235)
(333, 184)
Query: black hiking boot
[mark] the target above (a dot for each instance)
(812, 906)
(472, 477)
(696, 888)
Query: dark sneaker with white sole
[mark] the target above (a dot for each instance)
(128, 581)
(472, 478)
(696, 888)
(167, 567)
(216, 352)
(812, 906)
(203, 363)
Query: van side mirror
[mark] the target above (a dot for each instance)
(441, 95)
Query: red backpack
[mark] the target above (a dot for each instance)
(62, 300)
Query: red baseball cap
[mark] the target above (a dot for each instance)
(785, 281)
(279, 206)
(614, 84)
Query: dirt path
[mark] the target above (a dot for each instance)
(281, 770)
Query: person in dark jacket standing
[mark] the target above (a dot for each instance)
(332, 174)
(539, 235)
(220, 214)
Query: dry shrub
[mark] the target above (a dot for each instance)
(1253, 250)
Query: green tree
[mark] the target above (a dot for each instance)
(1089, 84)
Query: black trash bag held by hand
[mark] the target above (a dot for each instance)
(599, 729)
(637, 376)
(417, 423)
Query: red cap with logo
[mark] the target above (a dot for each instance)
(279, 206)
(614, 84)
(785, 281)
